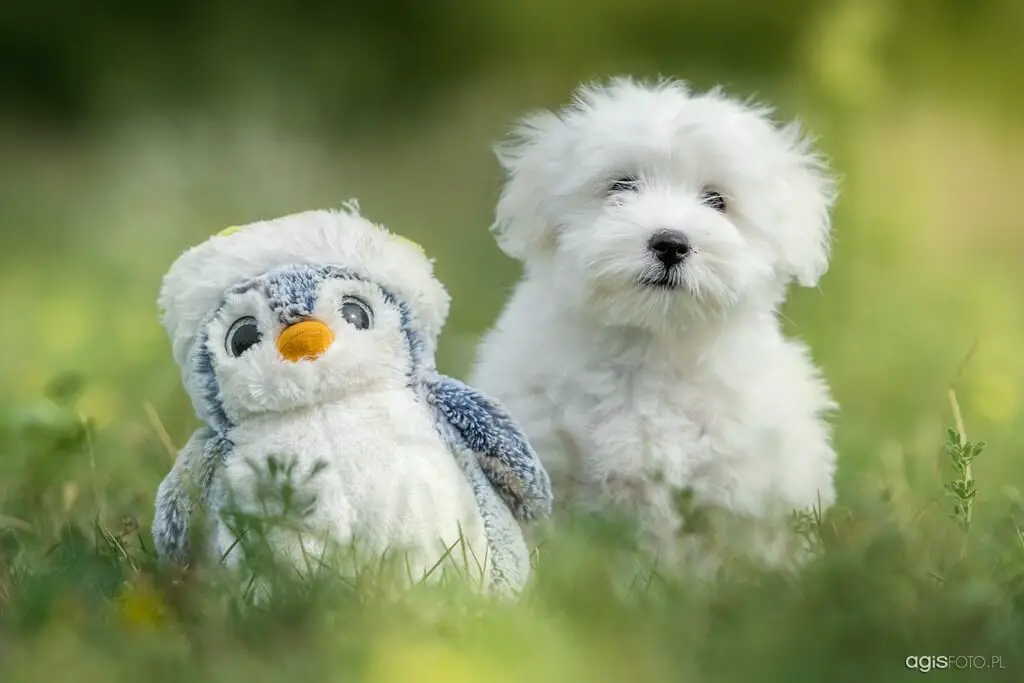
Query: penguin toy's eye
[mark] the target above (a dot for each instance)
(243, 335)
(356, 313)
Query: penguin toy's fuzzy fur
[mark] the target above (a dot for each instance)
(307, 344)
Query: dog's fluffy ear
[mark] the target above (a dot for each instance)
(809, 190)
(520, 226)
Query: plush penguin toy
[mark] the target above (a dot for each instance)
(307, 347)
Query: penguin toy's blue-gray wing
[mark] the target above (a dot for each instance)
(504, 454)
(508, 480)
(185, 489)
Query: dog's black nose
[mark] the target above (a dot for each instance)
(670, 247)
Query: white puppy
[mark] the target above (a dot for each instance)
(641, 352)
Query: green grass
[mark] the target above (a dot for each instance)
(83, 598)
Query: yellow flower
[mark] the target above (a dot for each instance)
(140, 605)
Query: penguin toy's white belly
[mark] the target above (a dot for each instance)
(384, 483)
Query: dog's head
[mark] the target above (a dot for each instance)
(655, 204)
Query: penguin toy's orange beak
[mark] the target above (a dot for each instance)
(305, 340)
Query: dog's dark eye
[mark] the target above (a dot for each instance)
(713, 199)
(356, 313)
(624, 184)
(243, 335)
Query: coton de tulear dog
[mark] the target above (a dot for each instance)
(641, 352)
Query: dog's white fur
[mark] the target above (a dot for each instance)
(630, 392)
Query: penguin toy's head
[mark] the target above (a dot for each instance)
(298, 311)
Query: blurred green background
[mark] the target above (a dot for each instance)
(129, 131)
